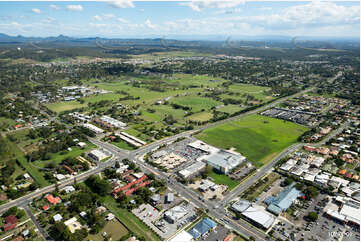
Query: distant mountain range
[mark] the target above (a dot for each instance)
(22, 39)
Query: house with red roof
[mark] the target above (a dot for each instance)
(11, 219)
(10, 222)
(71, 171)
(53, 200)
(8, 227)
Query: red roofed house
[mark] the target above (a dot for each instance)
(342, 172)
(309, 148)
(52, 200)
(8, 227)
(18, 126)
(11, 222)
(349, 175)
(11, 219)
(69, 169)
(45, 207)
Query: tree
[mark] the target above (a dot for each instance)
(97, 185)
(312, 216)
(288, 181)
(311, 191)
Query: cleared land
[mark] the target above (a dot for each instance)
(223, 179)
(257, 137)
(113, 228)
(130, 220)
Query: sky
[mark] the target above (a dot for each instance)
(127, 18)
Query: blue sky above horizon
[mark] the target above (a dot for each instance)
(126, 18)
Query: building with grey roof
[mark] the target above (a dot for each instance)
(175, 214)
(223, 161)
(283, 200)
(253, 213)
(192, 169)
(170, 197)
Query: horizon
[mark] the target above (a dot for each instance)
(168, 19)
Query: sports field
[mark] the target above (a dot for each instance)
(257, 137)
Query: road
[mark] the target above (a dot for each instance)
(36, 223)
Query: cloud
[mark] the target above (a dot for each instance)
(122, 4)
(199, 5)
(122, 20)
(36, 10)
(98, 18)
(149, 24)
(53, 6)
(106, 16)
(74, 7)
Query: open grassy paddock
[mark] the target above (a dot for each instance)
(61, 155)
(257, 137)
(224, 180)
(113, 228)
(132, 223)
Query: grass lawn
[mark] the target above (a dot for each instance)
(132, 223)
(59, 156)
(35, 173)
(195, 102)
(64, 106)
(223, 179)
(203, 116)
(257, 137)
(230, 108)
(113, 228)
(123, 145)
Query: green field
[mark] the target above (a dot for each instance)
(223, 179)
(114, 229)
(130, 220)
(61, 155)
(230, 108)
(123, 145)
(64, 106)
(257, 137)
(202, 116)
(195, 102)
(35, 173)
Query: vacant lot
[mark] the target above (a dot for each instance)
(197, 103)
(223, 179)
(257, 137)
(113, 228)
(133, 223)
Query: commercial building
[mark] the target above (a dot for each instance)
(254, 214)
(113, 122)
(192, 169)
(175, 214)
(203, 228)
(93, 128)
(223, 161)
(203, 147)
(283, 200)
(346, 210)
(97, 155)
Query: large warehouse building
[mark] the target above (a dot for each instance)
(223, 161)
(253, 213)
